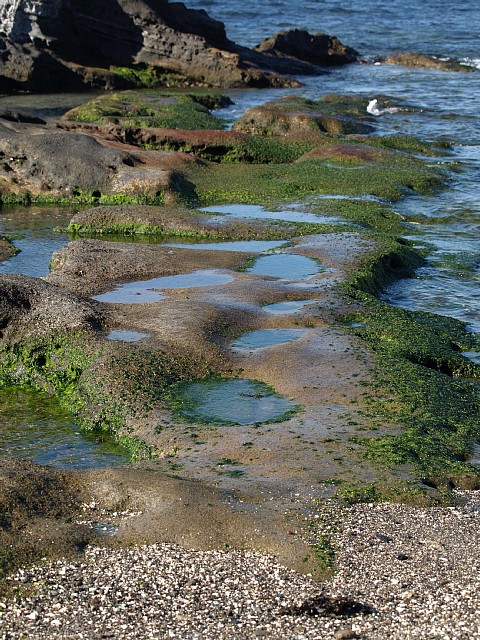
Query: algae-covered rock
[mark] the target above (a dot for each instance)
(292, 116)
(7, 250)
(411, 59)
(31, 307)
(152, 110)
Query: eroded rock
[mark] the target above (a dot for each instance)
(69, 44)
(300, 116)
(318, 49)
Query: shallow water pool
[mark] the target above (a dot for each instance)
(256, 211)
(264, 338)
(34, 426)
(235, 401)
(147, 290)
(286, 307)
(288, 266)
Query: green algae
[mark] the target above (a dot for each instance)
(421, 386)
(230, 401)
(81, 196)
(151, 109)
(104, 388)
(260, 184)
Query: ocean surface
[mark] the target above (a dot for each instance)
(448, 224)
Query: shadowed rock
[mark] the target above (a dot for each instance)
(318, 49)
(52, 45)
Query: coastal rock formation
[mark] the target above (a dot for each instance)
(294, 116)
(30, 308)
(68, 165)
(50, 45)
(319, 49)
(411, 59)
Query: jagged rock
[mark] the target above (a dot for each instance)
(318, 49)
(48, 45)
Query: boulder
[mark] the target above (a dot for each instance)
(301, 117)
(318, 49)
(73, 166)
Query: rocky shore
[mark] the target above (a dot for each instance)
(400, 573)
(279, 414)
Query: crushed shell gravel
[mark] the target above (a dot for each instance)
(418, 568)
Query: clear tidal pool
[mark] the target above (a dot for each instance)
(264, 338)
(31, 229)
(288, 266)
(147, 290)
(33, 426)
(289, 306)
(256, 211)
(235, 401)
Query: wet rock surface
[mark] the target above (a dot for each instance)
(412, 59)
(30, 308)
(297, 116)
(209, 485)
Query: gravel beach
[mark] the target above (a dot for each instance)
(415, 571)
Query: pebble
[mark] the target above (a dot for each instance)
(164, 591)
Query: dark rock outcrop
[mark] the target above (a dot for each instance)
(50, 45)
(318, 49)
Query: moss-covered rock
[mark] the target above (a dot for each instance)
(295, 116)
(411, 59)
(152, 109)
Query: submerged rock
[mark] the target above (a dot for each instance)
(49, 45)
(411, 59)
